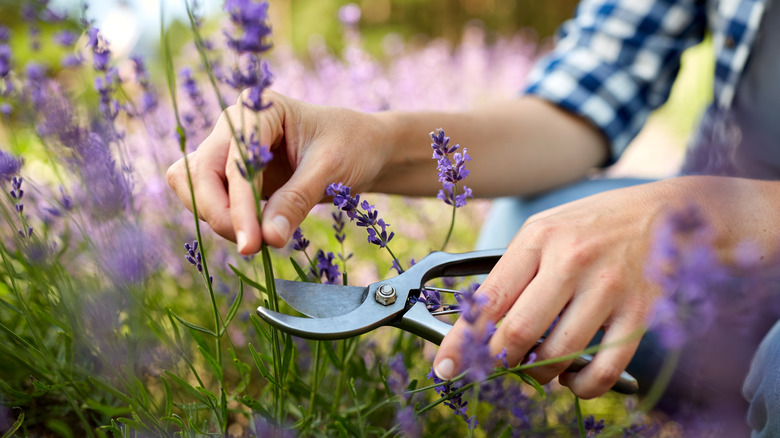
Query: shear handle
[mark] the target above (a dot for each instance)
(443, 264)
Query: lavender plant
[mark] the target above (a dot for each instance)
(109, 328)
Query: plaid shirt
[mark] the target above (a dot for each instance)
(616, 60)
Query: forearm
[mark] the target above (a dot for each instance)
(518, 147)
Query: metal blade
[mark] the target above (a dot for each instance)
(320, 300)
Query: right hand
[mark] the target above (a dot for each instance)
(313, 146)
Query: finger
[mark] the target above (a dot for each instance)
(290, 204)
(501, 288)
(208, 186)
(620, 342)
(576, 327)
(243, 211)
(531, 315)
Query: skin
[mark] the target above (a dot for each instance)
(582, 260)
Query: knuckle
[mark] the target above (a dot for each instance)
(600, 379)
(175, 174)
(491, 308)
(537, 231)
(296, 201)
(518, 331)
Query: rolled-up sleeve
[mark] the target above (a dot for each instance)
(615, 61)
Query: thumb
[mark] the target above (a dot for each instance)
(292, 202)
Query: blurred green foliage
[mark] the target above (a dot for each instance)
(415, 18)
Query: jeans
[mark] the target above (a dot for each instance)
(761, 387)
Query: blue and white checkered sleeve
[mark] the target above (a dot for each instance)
(616, 60)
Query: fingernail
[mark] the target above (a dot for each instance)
(241, 241)
(282, 226)
(445, 369)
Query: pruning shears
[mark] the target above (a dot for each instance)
(339, 312)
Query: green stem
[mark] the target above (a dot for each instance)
(580, 421)
(315, 381)
(452, 222)
(340, 383)
(661, 382)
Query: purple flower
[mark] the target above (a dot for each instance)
(101, 55)
(5, 34)
(6, 109)
(477, 360)
(5, 60)
(72, 61)
(256, 159)
(324, 266)
(689, 275)
(455, 399)
(349, 14)
(398, 375)
(592, 426)
(368, 218)
(9, 165)
(193, 255)
(190, 86)
(65, 38)
(405, 418)
(251, 20)
(470, 305)
(254, 99)
(431, 299)
(299, 243)
(451, 169)
(338, 225)
(17, 193)
(149, 99)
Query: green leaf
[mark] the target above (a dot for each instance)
(10, 306)
(192, 326)
(213, 363)
(189, 388)
(224, 406)
(507, 433)
(255, 405)
(531, 381)
(168, 397)
(59, 427)
(14, 427)
(137, 425)
(289, 347)
(175, 420)
(259, 327)
(16, 337)
(109, 411)
(247, 280)
(111, 390)
(261, 366)
(331, 353)
(301, 273)
(233, 307)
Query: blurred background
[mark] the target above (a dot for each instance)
(132, 27)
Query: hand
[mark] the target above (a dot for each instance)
(585, 261)
(313, 146)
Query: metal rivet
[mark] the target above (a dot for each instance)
(385, 294)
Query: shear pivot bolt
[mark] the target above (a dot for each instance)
(385, 295)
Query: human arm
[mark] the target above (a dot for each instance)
(520, 146)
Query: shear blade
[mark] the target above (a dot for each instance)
(320, 300)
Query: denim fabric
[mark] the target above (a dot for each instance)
(762, 387)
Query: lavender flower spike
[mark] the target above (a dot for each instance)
(363, 213)
(452, 169)
(9, 165)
